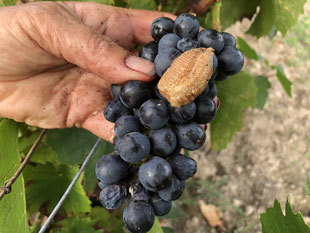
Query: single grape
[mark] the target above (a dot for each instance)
(134, 93)
(230, 60)
(111, 168)
(183, 114)
(183, 166)
(221, 76)
(187, 44)
(149, 51)
(163, 141)
(154, 113)
(186, 26)
(173, 191)
(228, 39)
(215, 63)
(212, 90)
(138, 216)
(113, 196)
(206, 110)
(114, 110)
(140, 193)
(190, 135)
(155, 174)
(164, 59)
(133, 147)
(127, 124)
(102, 185)
(169, 40)
(115, 90)
(160, 206)
(211, 38)
(160, 27)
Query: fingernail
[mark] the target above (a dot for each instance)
(140, 64)
(217, 102)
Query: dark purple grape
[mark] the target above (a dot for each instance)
(133, 147)
(190, 135)
(115, 90)
(173, 191)
(135, 93)
(228, 39)
(215, 63)
(164, 59)
(187, 44)
(211, 38)
(138, 216)
(160, 206)
(206, 109)
(149, 51)
(183, 166)
(113, 196)
(111, 168)
(155, 174)
(116, 141)
(169, 40)
(127, 124)
(176, 151)
(230, 60)
(221, 76)
(183, 114)
(139, 193)
(160, 27)
(212, 90)
(114, 110)
(186, 26)
(163, 141)
(102, 185)
(154, 114)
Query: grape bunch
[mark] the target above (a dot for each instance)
(147, 170)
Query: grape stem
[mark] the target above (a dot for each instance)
(215, 12)
(7, 188)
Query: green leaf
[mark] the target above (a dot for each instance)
(112, 222)
(146, 4)
(78, 224)
(232, 11)
(156, 227)
(246, 49)
(286, 84)
(42, 154)
(236, 93)
(273, 221)
(280, 13)
(262, 85)
(168, 230)
(73, 145)
(48, 182)
(13, 215)
(8, 2)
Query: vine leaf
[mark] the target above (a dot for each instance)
(246, 49)
(156, 227)
(273, 221)
(78, 224)
(262, 85)
(232, 11)
(13, 215)
(236, 93)
(286, 84)
(282, 14)
(72, 146)
(110, 222)
(46, 185)
(146, 4)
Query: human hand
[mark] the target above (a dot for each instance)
(58, 61)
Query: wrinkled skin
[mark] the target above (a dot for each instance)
(58, 60)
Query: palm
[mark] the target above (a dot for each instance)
(39, 84)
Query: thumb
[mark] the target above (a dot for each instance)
(67, 37)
